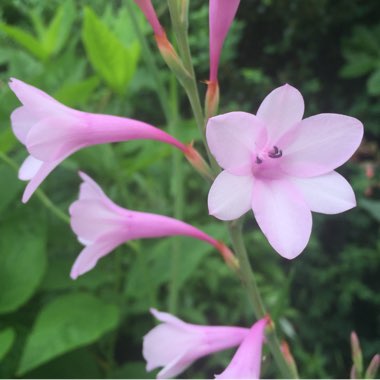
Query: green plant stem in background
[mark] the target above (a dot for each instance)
(247, 277)
(40, 194)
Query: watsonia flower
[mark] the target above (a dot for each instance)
(101, 225)
(51, 132)
(282, 167)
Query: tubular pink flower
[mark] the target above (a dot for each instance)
(101, 226)
(150, 14)
(221, 15)
(246, 362)
(281, 167)
(51, 132)
(175, 344)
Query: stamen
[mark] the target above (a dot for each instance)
(258, 160)
(275, 153)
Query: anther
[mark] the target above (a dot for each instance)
(258, 160)
(275, 153)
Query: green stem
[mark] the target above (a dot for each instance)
(178, 194)
(249, 282)
(40, 194)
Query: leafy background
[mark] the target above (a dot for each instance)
(87, 55)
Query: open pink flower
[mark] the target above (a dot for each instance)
(221, 15)
(150, 14)
(51, 132)
(101, 226)
(246, 362)
(175, 344)
(282, 167)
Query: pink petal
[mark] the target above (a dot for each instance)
(22, 120)
(246, 362)
(29, 168)
(89, 189)
(45, 169)
(320, 144)
(168, 318)
(328, 194)
(55, 136)
(232, 138)
(281, 110)
(282, 215)
(92, 218)
(230, 196)
(221, 15)
(90, 255)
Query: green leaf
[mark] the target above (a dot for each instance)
(358, 65)
(73, 94)
(67, 323)
(22, 256)
(26, 40)
(373, 207)
(373, 83)
(13, 188)
(59, 29)
(112, 60)
(7, 338)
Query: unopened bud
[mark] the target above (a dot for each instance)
(228, 256)
(212, 99)
(373, 367)
(354, 373)
(357, 357)
(197, 161)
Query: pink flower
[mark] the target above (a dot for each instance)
(282, 167)
(175, 344)
(101, 226)
(246, 362)
(51, 132)
(150, 14)
(221, 15)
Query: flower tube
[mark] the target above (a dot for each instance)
(51, 132)
(101, 226)
(175, 345)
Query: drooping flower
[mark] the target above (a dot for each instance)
(150, 14)
(246, 362)
(51, 132)
(175, 344)
(282, 167)
(101, 226)
(221, 15)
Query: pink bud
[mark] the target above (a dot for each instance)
(373, 367)
(221, 15)
(150, 14)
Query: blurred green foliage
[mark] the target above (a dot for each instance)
(86, 54)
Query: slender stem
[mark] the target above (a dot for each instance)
(177, 187)
(249, 282)
(40, 194)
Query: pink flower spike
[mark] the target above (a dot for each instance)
(51, 132)
(150, 14)
(246, 362)
(175, 344)
(221, 15)
(101, 226)
(281, 167)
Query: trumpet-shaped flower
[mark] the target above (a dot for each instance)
(246, 362)
(51, 132)
(221, 15)
(175, 344)
(101, 226)
(281, 167)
